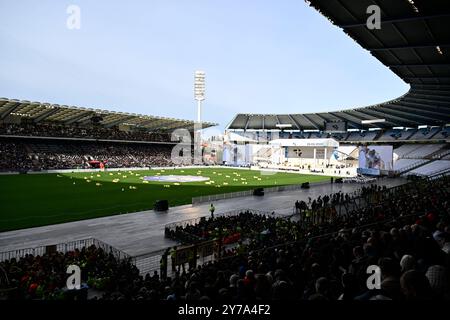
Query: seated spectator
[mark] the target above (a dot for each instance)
(415, 286)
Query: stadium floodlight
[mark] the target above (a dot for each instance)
(373, 121)
(199, 91)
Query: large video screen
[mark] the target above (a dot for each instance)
(373, 159)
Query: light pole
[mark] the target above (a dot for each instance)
(199, 95)
(199, 92)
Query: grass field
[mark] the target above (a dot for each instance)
(43, 199)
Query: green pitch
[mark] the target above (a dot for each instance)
(43, 199)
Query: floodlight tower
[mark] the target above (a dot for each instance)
(199, 92)
(199, 95)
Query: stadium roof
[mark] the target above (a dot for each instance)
(413, 41)
(43, 111)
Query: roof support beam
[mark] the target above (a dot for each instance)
(278, 119)
(377, 39)
(295, 122)
(391, 112)
(442, 93)
(88, 120)
(396, 20)
(428, 77)
(413, 110)
(46, 114)
(246, 122)
(395, 120)
(315, 125)
(118, 121)
(77, 117)
(231, 122)
(146, 122)
(414, 95)
(405, 65)
(429, 101)
(411, 46)
(321, 117)
(10, 109)
(155, 123)
(424, 107)
(342, 118)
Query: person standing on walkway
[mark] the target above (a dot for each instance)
(211, 210)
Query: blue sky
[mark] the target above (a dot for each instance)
(260, 56)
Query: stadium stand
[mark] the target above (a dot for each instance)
(321, 257)
(425, 134)
(402, 164)
(416, 158)
(423, 112)
(443, 134)
(423, 151)
(391, 135)
(58, 130)
(396, 134)
(362, 136)
(43, 116)
(41, 136)
(404, 150)
(46, 154)
(431, 169)
(396, 45)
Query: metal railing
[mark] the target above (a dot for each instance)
(149, 262)
(247, 193)
(64, 248)
(221, 196)
(194, 221)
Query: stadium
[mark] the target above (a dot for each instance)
(279, 207)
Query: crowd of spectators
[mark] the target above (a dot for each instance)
(405, 233)
(328, 206)
(73, 131)
(14, 157)
(39, 155)
(44, 277)
(224, 227)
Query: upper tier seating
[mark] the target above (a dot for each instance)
(396, 134)
(402, 164)
(432, 168)
(424, 151)
(424, 134)
(362, 136)
(443, 134)
(404, 150)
